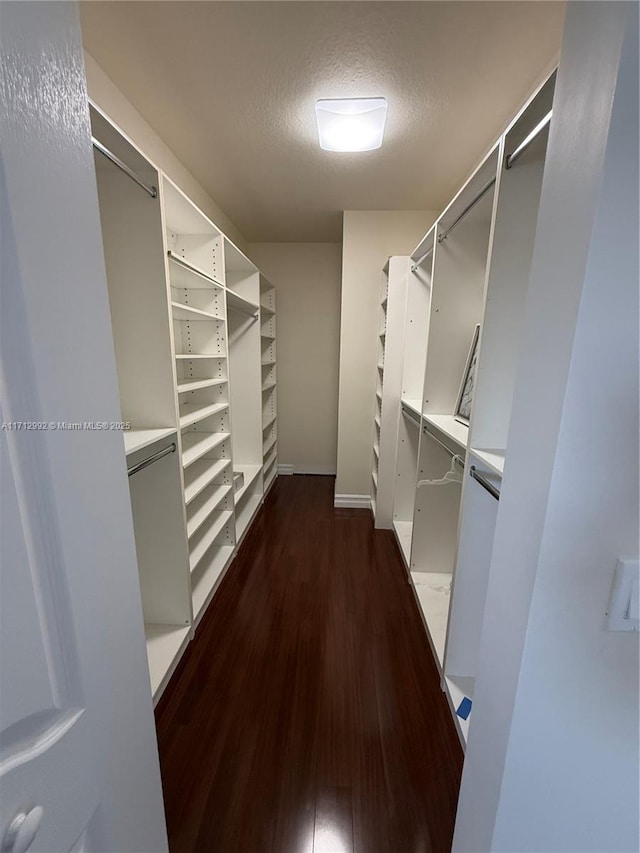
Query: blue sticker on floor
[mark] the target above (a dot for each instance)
(464, 708)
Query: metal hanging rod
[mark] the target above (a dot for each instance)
(417, 264)
(171, 448)
(181, 262)
(153, 191)
(458, 456)
(471, 204)
(409, 413)
(511, 158)
(493, 491)
(238, 303)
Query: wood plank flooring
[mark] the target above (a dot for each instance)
(307, 716)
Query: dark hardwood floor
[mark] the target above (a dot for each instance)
(307, 716)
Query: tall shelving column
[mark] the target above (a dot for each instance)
(243, 307)
(459, 272)
(197, 297)
(132, 236)
(377, 413)
(519, 188)
(269, 382)
(414, 334)
(393, 307)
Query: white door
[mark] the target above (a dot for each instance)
(78, 758)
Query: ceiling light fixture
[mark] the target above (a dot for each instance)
(351, 124)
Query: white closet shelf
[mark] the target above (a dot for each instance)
(269, 420)
(268, 445)
(201, 474)
(193, 413)
(205, 578)
(414, 404)
(188, 314)
(404, 532)
(136, 439)
(494, 459)
(185, 385)
(165, 644)
(267, 386)
(449, 426)
(250, 473)
(239, 303)
(433, 590)
(193, 356)
(267, 337)
(213, 501)
(196, 444)
(217, 526)
(246, 514)
(266, 310)
(459, 688)
(270, 459)
(270, 478)
(191, 276)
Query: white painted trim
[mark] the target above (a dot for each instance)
(352, 501)
(321, 470)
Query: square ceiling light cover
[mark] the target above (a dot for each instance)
(351, 124)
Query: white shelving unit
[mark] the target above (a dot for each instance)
(459, 266)
(190, 337)
(269, 382)
(245, 371)
(514, 223)
(196, 284)
(410, 343)
(393, 305)
(141, 325)
(472, 268)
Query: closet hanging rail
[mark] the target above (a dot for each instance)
(473, 472)
(471, 205)
(171, 448)
(409, 413)
(182, 263)
(458, 456)
(511, 158)
(238, 303)
(417, 264)
(153, 191)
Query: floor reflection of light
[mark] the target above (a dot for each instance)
(327, 840)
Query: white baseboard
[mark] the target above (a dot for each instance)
(352, 501)
(307, 469)
(322, 470)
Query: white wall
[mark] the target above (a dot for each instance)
(111, 100)
(552, 757)
(369, 238)
(307, 278)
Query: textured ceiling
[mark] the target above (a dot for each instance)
(231, 88)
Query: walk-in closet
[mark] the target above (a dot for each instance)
(320, 418)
